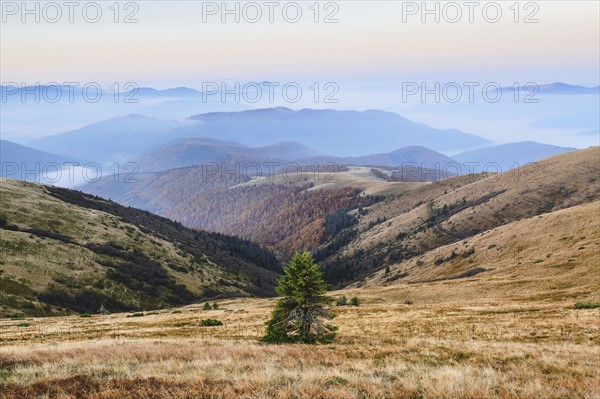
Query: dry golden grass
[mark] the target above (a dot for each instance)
(552, 184)
(31, 263)
(555, 256)
(386, 348)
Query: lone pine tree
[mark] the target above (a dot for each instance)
(302, 314)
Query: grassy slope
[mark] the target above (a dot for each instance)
(97, 252)
(555, 256)
(449, 211)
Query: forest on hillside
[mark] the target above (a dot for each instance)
(285, 218)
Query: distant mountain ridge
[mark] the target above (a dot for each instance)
(22, 162)
(411, 155)
(195, 151)
(510, 155)
(567, 89)
(177, 92)
(192, 152)
(183, 91)
(339, 133)
(114, 139)
(556, 88)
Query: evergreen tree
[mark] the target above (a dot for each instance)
(301, 315)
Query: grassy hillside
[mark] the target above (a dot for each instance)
(452, 210)
(554, 256)
(65, 251)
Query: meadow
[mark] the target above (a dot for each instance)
(421, 341)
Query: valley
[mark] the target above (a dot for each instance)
(480, 285)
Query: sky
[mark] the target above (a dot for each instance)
(185, 43)
(368, 49)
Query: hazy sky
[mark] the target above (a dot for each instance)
(369, 48)
(373, 43)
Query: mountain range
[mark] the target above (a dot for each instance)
(271, 134)
(337, 133)
(134, 139)
(76, 252)
(195, 151)
(203, 198)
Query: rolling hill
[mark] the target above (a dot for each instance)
(196, 151)
(435, 214)
(286, 217)
(553, 256)
(417, 156)
(64, 251)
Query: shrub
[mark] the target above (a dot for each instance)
(342, 301)
(207, 306)
(355, 301)
(587, 305)
(215, 306)
(211, 322)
